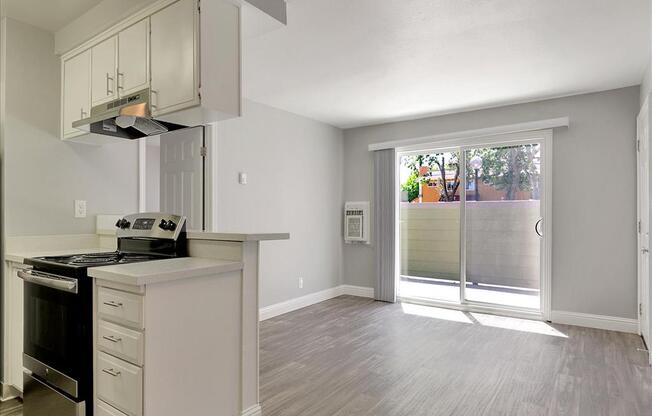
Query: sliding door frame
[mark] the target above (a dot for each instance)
(542, 137)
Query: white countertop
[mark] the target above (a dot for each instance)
(157, 271)
(18, 257)
(205, 235)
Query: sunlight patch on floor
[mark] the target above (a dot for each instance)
(517, 324)
(450, 291)
(437, 313)
(494, 321)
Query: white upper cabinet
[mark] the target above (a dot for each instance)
(103, 71)
(174, 57)
(133, 58)
(76, 99)
(189, 58)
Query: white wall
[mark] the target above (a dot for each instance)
(43, 175)
(594, 193)
(294, 168)
(153, 174)
(94, 21)
(646, 82)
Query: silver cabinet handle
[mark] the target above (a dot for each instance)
(112, 338)
(120, 84)
(113, 304)
(108, 78)
(64, 284)
(111, 372)
(154, 92)
(645, 250)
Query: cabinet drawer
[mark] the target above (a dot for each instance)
(103, 409)
(120, 384)
(121, 307)
(120, 341)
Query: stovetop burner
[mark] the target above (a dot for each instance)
(100, 259)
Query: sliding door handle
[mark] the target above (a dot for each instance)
(537, 227)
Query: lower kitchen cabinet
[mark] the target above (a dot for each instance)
(13, 324)
(170, 348)
(120, 384)
(103, 409)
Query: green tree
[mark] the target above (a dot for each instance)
(412, 186)
(510, 169)
(435, 162)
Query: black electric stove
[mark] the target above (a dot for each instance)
(58, 334)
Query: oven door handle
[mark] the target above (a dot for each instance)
(53, 281)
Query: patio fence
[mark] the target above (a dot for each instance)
(502, 247)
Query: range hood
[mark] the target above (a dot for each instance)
(128, 117)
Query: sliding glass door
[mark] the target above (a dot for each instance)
(503, 225)
(471, 224)
(429, 217)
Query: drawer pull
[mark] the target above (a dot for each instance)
(112, 338)
(113, 304)
(111, 372)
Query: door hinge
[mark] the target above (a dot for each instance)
(203, 151)
(640, 309)
(199, 6)
(639, 227)
(638, 145)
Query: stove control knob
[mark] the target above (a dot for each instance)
(125, 224)
(163, 225)
(171, 225)
(117, 224)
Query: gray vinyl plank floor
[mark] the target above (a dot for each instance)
(11, 408)
(353, 356)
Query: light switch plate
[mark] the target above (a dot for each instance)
(242, 178)
(80, 208)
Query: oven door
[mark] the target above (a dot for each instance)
(54, 329)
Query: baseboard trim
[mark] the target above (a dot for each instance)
(610, 323)
(253, 411)
(9, 392)
(360, 291)
(313, 298)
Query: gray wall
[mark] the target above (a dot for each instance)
(294, 168)
(646, 83)
(43, 175)
(153, 174)
(594, 193)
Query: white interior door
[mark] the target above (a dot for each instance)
(182, 175)
(643, 175)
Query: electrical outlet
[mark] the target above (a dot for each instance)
(301, 283)
(80, 208)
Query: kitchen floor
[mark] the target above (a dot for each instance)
(353, 356)
(11, 408)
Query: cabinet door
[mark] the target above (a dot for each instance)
(13, 319)
(76, 91)
(174, 56)
(103, 71)
(133, 58)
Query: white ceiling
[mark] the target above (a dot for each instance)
(360, 62)
(50, 15)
